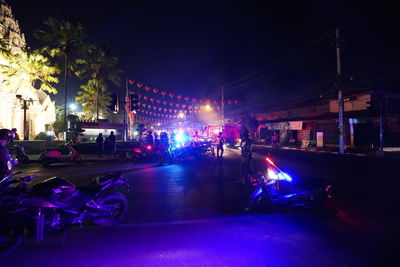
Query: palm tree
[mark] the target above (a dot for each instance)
(98, 65)
(92, 102)
(63, 39)
(30, 69)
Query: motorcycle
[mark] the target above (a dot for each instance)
(279, 190)
(55, 205)
(21, 155)
(52, 156)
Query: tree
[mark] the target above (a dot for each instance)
(62, 39)
(89, 96)
(99, 66)
(58, 124)
(30, 69)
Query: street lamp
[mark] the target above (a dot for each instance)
(73, 106)
(181, 115)
(25, 105)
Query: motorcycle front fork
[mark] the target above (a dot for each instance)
(39, 235)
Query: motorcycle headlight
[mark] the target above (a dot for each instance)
(278, 175)
(9, 165)
(284, 176)
(272, 174)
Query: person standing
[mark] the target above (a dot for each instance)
(220, 146)
(247, 156)
(100, 145)
(6, 136)
(112, 140)
(149, 138)
(14, 130)
(275, 140)
(164, 148)
(106, 145)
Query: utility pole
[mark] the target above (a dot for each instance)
(340, 92)
(222, 108)
(65, 95)
(125, 106)
(381, 99)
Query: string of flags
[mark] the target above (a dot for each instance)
(161, 106)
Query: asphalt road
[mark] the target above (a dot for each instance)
(190, 214)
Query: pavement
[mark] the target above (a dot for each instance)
(190, 214)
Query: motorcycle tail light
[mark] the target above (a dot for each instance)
(149, 147)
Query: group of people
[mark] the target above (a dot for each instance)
(106, 145)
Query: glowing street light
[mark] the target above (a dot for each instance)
(181, 115)
(207, 108)
(73, 106)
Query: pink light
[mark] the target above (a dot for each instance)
(148, 147)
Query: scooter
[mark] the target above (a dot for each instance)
(52, 156)
(279, 190)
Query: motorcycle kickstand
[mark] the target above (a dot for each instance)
(64, 237)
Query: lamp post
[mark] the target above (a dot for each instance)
(25, 105)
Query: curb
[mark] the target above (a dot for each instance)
(314, 151)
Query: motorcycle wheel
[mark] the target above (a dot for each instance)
(116, 204)
(318, 205)
(45, 162)
(10, 239)
(77, 159)
(23, 159)
(251, 203)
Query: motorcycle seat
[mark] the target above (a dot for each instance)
(98, 181)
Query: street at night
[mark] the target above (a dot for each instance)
(190, 214)
(199, 133)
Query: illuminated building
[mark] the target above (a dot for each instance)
(41, 110)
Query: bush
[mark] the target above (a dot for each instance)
(40, 136)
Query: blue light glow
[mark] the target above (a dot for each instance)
(284, 176)
(179, 138)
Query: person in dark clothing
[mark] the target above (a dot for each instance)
(106, 145)
(164, 148)
(247, 156)
(112, 143)
(6, 136)
(149, 138)
(100, 145)
(220, 146)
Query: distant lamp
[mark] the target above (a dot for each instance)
(181, 115)
(50, 133)
(73, 106)
(207, 108)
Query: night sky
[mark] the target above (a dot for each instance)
(261, 53)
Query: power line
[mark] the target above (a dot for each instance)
(268, 66)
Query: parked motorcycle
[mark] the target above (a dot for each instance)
(279, 190)
(55, 205)
(21, 155)
(52, 156)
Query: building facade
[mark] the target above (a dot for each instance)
(40, 109)
(316, 124)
